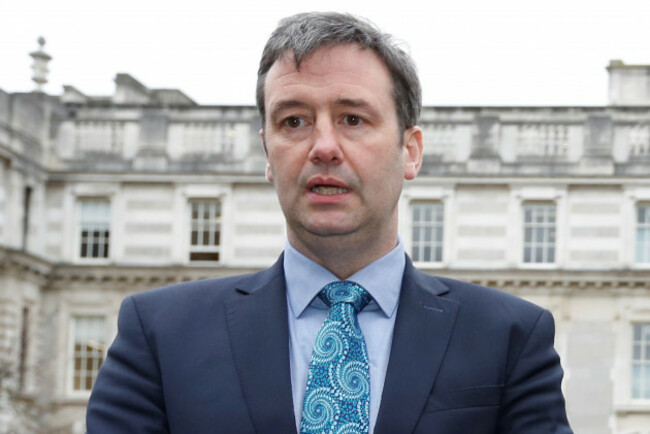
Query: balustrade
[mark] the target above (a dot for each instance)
(99, 136)
(543, 140)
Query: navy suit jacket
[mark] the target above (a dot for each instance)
(212, 356)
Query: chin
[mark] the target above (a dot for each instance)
(329, 230)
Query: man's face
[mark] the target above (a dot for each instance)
(334, 147)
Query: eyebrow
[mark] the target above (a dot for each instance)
(341, 102)
(285, 105)
(356, 103)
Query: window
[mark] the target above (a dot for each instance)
(643, 234)
(539, 233)
(205, 236)
(94, 228)
(24, 344)
(427, 225)
(88, 350)
(27, 199)
(641, 362)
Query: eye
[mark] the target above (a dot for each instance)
(352, 120)
(294, 122)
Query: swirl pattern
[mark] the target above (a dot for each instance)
(330, 342)
(319, 411)
(349, 428)
(352, 379)
(337, 399)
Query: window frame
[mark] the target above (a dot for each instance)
(644, 347)
(71, 355)
(645, 226)
(545, 244)
(207, 249)
(437, 226)
(78, 238)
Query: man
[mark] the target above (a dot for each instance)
(339, 104)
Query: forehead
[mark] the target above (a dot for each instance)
(340, 71)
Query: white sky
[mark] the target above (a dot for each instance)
(469, 52)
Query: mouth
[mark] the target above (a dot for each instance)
(328, 190)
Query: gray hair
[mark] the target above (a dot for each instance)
(303, 34)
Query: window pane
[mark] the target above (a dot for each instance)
(643, 234)
(205, 237)
(636, 382)
(88, 350)
(539, 233)
(427, 231)
(641, 361)
(94, 228)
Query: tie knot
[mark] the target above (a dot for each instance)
(345, 292)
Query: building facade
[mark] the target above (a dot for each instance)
(102, 197)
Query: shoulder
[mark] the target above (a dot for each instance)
(479, 304)
(190, 300)
(471, 293)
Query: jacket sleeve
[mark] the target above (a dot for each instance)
(127, 396)
(533, 401)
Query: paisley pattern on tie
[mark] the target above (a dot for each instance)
(337, 398)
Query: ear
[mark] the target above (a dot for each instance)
(412, 152)
(263, 142)
(267, 171)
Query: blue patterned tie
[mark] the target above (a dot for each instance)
(337, 399)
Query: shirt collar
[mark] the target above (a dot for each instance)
(382, 279)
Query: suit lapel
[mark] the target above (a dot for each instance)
(259, 338)
(422, 332)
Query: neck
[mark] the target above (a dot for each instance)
(341, 254)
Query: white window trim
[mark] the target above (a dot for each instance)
(70, 392)
(634, 196)
(521, 195)
(411, 250)
(111, 225)
(182, 232)
(645, 204)
(545, 244)
(444, 195)
(77, 193)
(211, 248)
(635, 312)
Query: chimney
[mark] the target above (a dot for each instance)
(629, 85)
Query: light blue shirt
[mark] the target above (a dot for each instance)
(305, 278)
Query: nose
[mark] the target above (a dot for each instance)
(326, 148)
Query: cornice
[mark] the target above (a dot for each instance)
(54, 276)
(25, 265)
(135, 276)
(557, 281)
